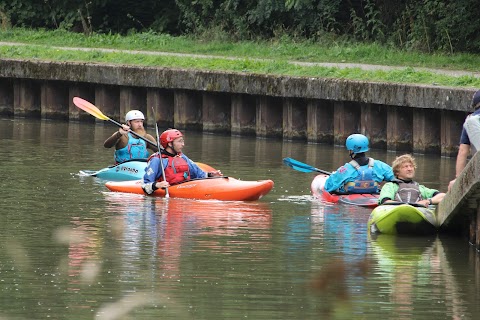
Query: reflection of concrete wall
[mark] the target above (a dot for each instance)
(418, 118)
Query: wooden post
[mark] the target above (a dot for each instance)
(269, 117)
(107, 100)
(399, 129)
(188, 110)
(426, 131)
(243, 114)
(451, 128)
(217, 112)
(346, 121)
(132, 98)
(6, 97)
(373, 124)
(54, 100)
(294, 119)
(84, 91)
(26, 99)
(320, 121)
(162, 102)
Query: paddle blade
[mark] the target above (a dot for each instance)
(294, 164)
(90, 108)
(302, 167)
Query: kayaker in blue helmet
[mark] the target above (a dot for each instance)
(362, 174)
(404, 188)
(176, 165)
(127, 146)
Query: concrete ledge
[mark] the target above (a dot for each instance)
(416, 96)
(462, 200)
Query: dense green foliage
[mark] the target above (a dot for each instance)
(428, 25)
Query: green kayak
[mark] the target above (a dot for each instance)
(402, 219)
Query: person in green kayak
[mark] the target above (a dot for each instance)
(404, 188)
(362, 174)
(128, 146)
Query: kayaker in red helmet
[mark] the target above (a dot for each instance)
(127, 146)
(177, 166)
(362, 174)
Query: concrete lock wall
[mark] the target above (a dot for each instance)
(412, 118)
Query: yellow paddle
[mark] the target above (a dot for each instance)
(94, 111)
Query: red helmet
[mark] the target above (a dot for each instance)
(168, 136)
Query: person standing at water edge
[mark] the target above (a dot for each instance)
(362, 174)
(470, 138)
(176, 165)
(128, 146)
(404, 188)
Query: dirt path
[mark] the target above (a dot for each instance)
(452, 73)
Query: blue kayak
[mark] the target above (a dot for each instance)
(133, 169)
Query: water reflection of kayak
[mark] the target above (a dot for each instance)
(402, 219)
(402, 253)
(402, 250)
(358, 199)
(216, 188)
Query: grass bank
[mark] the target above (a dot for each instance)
(266, 57)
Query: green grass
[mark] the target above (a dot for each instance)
(276, 54)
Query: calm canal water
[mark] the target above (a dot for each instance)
(70, 249)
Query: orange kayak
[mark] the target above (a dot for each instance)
(216, 188)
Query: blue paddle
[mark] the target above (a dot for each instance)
(302, 167)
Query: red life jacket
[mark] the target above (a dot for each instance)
(176, 170)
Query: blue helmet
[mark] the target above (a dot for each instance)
(357, 143)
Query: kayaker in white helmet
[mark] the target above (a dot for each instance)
(361, 174)
(127, 145)
(404, 188)
(176, 165)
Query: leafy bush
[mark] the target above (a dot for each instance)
(428, 25)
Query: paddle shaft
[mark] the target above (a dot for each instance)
(158, 146)
(322, 171)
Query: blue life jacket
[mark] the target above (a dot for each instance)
(364, 183)
(135, 149)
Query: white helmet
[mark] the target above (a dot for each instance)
(134, 114)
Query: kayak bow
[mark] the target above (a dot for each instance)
(402, 218)
(129, 170)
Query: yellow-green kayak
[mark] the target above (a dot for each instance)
(402, 219)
